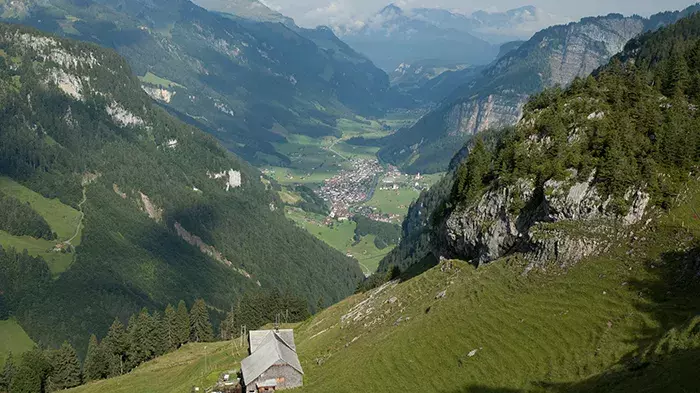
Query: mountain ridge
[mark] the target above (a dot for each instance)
(552, 56)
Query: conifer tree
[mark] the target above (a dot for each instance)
(65, 371)
(96, 366)
(170, 328)
(157, 334)
(7, 373)
(183, 323)
(137, 336)
(31, 374)
(227, 330)
(200, 326)
(115, 347)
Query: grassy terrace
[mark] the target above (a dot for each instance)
(63, 220)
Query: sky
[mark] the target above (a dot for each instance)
(311, 13)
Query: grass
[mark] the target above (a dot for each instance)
(626, 321)
(58, 262)
(154, 79)
(393, 201)
(340, 235)
(62, 219)
(179, 371)
(289, 176)
(13, 339)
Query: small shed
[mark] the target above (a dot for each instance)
(273, 363)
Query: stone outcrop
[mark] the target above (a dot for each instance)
(561, 222)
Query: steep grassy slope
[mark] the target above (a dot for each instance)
(196, 364)
(627, 321)
(250, 84)
(549, 331)
(169, 213)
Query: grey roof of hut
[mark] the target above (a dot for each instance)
(256, 337)
(273, 349)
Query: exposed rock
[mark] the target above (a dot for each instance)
(233, 178)
(122, 116)
(69, 84)
(150, 208)
(196, 241)
(564, 222)
(159, 93)
(116, 189)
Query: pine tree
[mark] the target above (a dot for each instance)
(31, 374)
(157, 334)
(200, 326)
(170, 328)
(96, 366)
(227, 330)
(114, 348)
(7, 373)
(137, 336)
(65, 368)
(183, 324)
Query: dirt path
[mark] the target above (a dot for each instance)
(82, 216)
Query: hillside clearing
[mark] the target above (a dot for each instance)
(13, 339)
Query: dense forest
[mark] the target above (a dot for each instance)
(164, 218)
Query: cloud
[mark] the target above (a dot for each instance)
(311, 13)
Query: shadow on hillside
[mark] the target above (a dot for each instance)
(673, 373)
(484, 389)
(428, 262)
(671, 293)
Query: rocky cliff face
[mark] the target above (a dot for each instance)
(558, 55)
(564, 222)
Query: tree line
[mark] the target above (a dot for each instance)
(145, 337)
(20, 219)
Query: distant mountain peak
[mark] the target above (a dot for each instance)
(391, 9)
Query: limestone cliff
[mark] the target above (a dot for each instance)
(556, 55)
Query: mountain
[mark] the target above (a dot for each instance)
(553, 56)
(576, 234)
(248, 83)
(512, 25)
(394, 36)
(248, 9)
(583, 168)
(143, 209)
